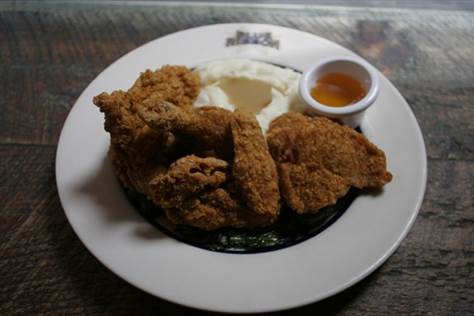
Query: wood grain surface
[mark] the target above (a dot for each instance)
(49, 53)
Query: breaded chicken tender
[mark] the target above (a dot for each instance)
(248, 198)
(186, 179)
(254, 169)
(319, 160)
(192, 192)
(164, 148)
(137, 152)
(206, 125)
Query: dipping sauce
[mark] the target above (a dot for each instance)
(337, 90)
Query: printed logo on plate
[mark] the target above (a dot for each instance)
(247, 38)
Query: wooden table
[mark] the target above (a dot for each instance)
(50, 52)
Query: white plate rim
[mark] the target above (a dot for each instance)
(281, 305)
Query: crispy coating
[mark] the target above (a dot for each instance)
(137, 152)
(254, 169)
(213, 210)
(310, 187)
(249, 197)
(307, 150)
(154, 133)
(191, 193)
(211, 168)
(206, 124)
(176, 84)
(187, 177)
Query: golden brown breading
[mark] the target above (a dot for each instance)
(190, 193)
(187, 177)
(134, 146)
(213, 210)
(175, 84)
(197, 192)
(206, 124)
(310, 187)
(254, 169)
(137, 152)
(250, 198)
(298, 142)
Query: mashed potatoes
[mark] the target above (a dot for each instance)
(252, 86)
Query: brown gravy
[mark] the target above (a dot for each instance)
(247, 94)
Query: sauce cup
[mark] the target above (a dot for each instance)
(353, 67)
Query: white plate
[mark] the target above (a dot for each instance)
(347, 251)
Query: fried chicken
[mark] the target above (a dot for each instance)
(211, 168)
(137, 152)
(205, 126)
(191, 193)
(254, 169)
(248, 194)
(158, 141)
(187, 177)
(319, 160)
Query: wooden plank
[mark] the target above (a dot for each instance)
(446, 120)
(35, 100)
(49, 55)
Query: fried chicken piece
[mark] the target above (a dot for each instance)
(319, 160)
(176, 84)
(193, 192)
(310, 187)
(249, 198)
(153, 124)
(137, 152)
(187, 177)
(190, 194)
(213, 210)
(207, 124)
(254, 169)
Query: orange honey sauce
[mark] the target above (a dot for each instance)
(337, 90)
